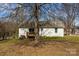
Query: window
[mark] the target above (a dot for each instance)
(31, 29)
(41, 29)
(56, 29)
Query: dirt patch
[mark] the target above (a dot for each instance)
(49, 48)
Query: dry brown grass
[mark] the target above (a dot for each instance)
(49, 48)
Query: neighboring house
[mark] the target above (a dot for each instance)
(52, 28)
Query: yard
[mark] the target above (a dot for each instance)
(50, 46)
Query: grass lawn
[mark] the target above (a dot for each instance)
(65, 38)
(53, 46)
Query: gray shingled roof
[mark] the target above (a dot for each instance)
(47, 24)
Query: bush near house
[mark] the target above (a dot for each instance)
(7, 30)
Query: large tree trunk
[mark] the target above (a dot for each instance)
(36, 13)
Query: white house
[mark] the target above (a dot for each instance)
(54, 29)
(23, 32)
(50, 32)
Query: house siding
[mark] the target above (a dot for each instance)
(51, 32)
(23, 31)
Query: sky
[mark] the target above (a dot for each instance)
(4, 7)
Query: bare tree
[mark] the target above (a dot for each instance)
(71, 12)
(36, 14)
(19, 14)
